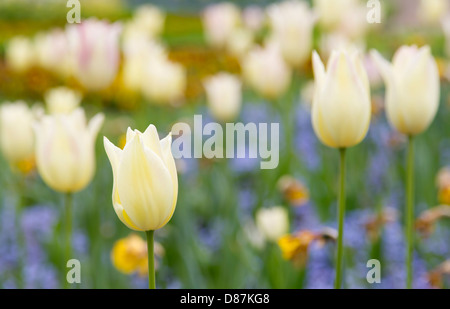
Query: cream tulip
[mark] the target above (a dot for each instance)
(65, 150)
(137, 52)
(16, 131)
(332, 13)
(164, 81)
(412, 88)
(219, 21)
(239, 42)
(432, 12)
(273, 222)
(341, 106)
(149, 19)
(266, 71)
(62, 100)
(253, 17)
(224, 96)
(292, 25)
(52, 52)
(20, 54)
(145, 188)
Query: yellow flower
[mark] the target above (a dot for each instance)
(289, 246)
(295, 247)
(145, 188)
(444, 196)
(293, 190)
(129, 255)
(26, 166)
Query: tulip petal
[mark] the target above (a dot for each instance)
(166, 144)
(319, 69)
(150, 138)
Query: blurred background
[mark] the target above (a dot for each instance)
(235, 225)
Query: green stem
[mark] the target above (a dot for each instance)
(151, 260)
(341, 211)
(68, 200)
(409, 211)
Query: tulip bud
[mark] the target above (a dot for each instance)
(65, 150)
(95, 47)
(292, 26)
(219, 21)
(272, 222)
(266, 71)
(16, 131)
(223, 92)
(145, 186)
(412, 88)
(341, 107)
(62, 100)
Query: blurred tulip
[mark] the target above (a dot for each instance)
(148, 19)
(446, 28)
(338, 41)
(292, 25)
(164, 81)
(16, 132)
(65, 150)
(53, 53)
(265, 70)
(94, 45)
(332, 13)
(137, 52)
(341, 106)
(224, 96)
(272, 222)
(219, 20)
(431, 12)
(253, 17)
(20, 54)
(412, 88)
(62, 100)
(240, 42)
(145, 186)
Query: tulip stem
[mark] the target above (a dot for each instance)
(409, 211)
(68, 200)
(151, 260)
(341, 211)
